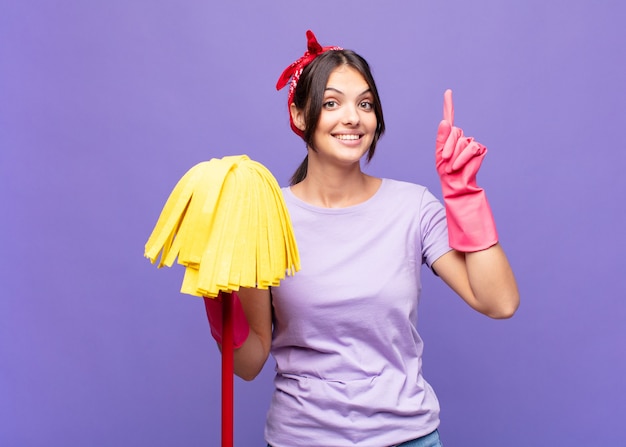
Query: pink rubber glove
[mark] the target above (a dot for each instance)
(241, 329)
(458, 158)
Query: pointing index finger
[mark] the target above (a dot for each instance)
(448, 107)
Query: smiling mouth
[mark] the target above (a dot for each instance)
(348, 137)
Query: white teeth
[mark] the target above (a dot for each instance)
(347, 137)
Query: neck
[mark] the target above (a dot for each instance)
(335, 187)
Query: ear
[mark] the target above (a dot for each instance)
(297, 116)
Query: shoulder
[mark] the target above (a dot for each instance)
(405, 189)
(401, 185)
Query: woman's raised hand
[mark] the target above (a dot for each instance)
(454, 150)
(458, 158)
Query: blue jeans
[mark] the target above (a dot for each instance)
(431, 440)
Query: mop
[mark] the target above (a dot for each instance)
(227, 224)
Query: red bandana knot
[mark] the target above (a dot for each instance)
(291, 74)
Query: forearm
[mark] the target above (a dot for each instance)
(483, 279)
(250, 357)
(251, 350)
(492, 282)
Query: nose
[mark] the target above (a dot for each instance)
(351, 115)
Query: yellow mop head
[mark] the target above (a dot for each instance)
(227, 223)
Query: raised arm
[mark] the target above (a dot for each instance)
(477, 269)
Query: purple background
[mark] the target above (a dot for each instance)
(105, 104)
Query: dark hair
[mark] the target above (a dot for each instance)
(309, 97)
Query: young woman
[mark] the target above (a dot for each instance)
(343, 329)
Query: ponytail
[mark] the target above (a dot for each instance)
(300, 173)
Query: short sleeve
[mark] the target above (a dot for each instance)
(434, 228)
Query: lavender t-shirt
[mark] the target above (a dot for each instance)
(347, 351)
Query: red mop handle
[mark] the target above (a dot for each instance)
(227, 370)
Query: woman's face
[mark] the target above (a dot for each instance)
(347, 122)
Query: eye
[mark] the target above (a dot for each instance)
(330, 104)
(366, 105)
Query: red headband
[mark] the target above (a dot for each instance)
(294, 71)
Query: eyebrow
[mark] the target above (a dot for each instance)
(364, 92)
